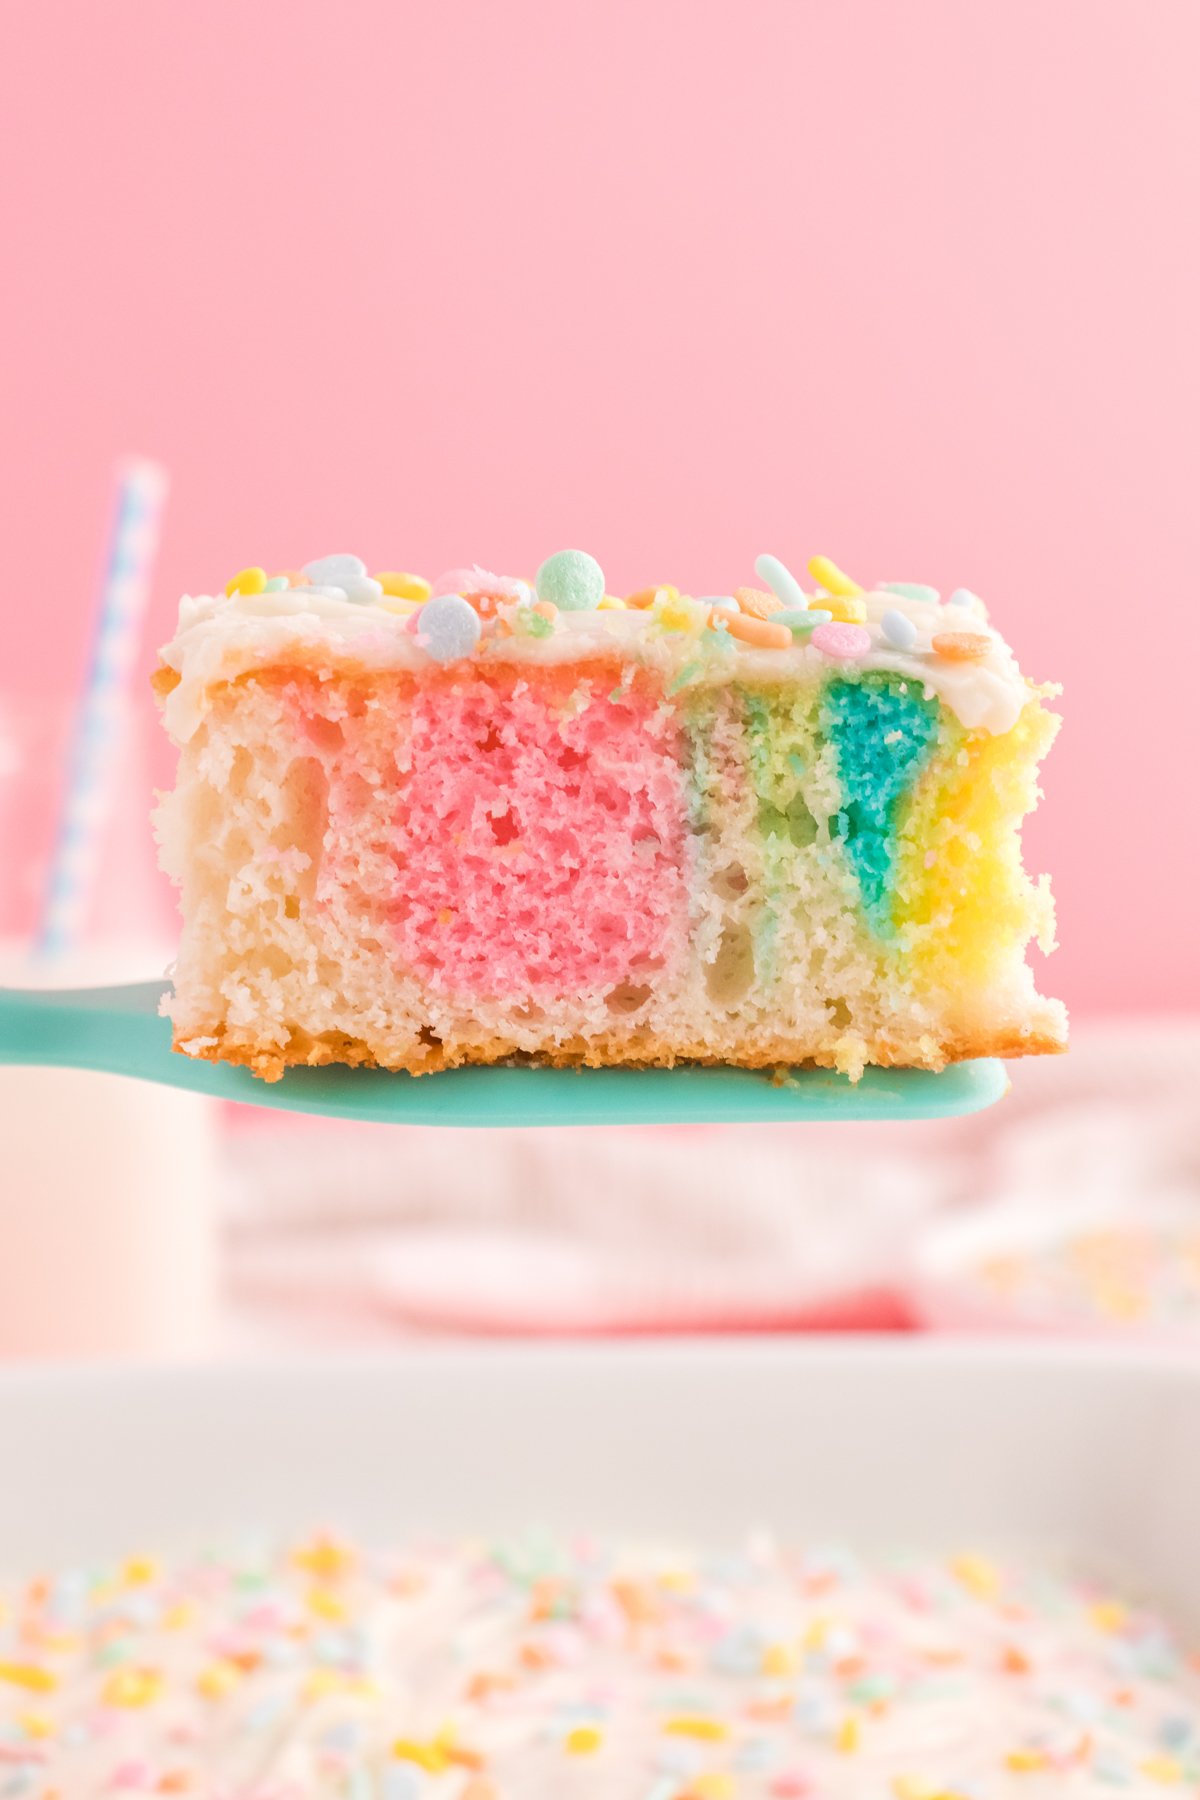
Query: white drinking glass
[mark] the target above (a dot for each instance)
(108, 1186)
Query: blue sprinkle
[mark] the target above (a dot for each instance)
(1175, 1732)
(964, 597)
(725, 601)
(899, 630)
(447, 628)
(332, 568)
(910, 590)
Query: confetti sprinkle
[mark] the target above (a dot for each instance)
(457, 1671)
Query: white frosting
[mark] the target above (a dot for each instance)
(221, 638)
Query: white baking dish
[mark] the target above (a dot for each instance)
(1079, 1451)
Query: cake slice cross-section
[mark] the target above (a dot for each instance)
(530, 819)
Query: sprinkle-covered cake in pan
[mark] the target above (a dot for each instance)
(533, 819)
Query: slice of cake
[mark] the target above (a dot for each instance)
(420, 829)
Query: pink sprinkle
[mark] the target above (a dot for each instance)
(789, 1786)
(131, 1775)
(842, 642)
(478, 581)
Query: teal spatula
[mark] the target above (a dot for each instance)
(118, 1030)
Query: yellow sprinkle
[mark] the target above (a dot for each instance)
(139, 1571)
(177, 1617)
(695, 1725)
(433, 1757)
(831, 577)
(1025, 1761)
(713, 1786)
(778, 1659)
(911, 1787)
(246, 581)
(678, 1581)
(401, 586)
(132, 1687)
(326, 1605)
(1164, 1769)
(29, 1676)
(1108, 1616)
(847, 1736)
(815, 1636)
(324, 1558)
(610, 603)
(218, 1679)
(845, 609)
(583, 1740)
(977, 1575)
(36, 1724)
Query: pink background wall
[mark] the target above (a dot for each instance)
(673, 280)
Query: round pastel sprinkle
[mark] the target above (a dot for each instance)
(725, 601)
(842, 642)
(899, 630)
(247, 581)
(781, 581)
(332, 568)
(611, 603)
(398, 585)
(447, 628)
(572, 579)
(910, 590)
(964, 597)
(831, 578)
(801, 618)
(278, 584)
(961, 646)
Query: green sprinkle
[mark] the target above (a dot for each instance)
(538, 626)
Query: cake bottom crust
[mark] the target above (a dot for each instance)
(638, 1051)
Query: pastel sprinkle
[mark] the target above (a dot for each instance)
(583, 1740)
(695, 1725)
(332, 568)
(781, 581)
(899, 630)
(398, 585)
(643, 598)
(363, 590)
(842, 642)
(572, 579)
(845, 609)
(448, 628)
(764, 634)
(246, 581)
(961, 646)
(753, 601)
(910, 590)
(964, 597)
(831, 578)
(30, 1676)
(277, 585)
(802, 622)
